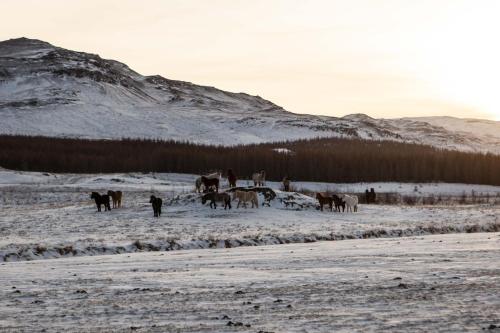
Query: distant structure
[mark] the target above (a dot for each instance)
(370, 196)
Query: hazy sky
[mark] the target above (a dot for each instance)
(383, 58)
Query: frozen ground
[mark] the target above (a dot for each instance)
(436, 283)
(51, 215)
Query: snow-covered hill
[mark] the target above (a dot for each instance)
(51, 91)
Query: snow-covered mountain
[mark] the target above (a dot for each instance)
(51, 91)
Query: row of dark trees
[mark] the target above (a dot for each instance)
(329, 160)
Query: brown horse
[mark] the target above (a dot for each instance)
(324, 199)
(116, 196)
(231, 178)
(213, 197)
(209, 182)
(286, 184)
(246, 196)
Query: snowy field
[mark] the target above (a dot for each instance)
(65, 267)
(51, 215)
(435, 283)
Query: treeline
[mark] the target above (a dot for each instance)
(329, 160)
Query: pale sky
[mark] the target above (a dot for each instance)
(385, 58)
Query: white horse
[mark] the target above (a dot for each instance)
(246, 196)
(199, 184)
(259, 178)
(214, 175)
(351, 201)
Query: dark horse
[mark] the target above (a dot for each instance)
(101, 200)
(209, 182)
(324, 199)
(213, 197)
(116, 196)
(338, 203)
(156, 203)
(231, 178)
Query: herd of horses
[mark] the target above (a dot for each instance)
(104, 199)
(211, 181)
(344, 201)
(209, 185)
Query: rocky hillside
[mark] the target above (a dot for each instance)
(47, 90)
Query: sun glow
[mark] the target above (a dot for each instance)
(462, 60)
(385, 58)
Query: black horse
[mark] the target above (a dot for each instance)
(101, 200)
(338, 203)
(156, 203)
(209, 183)
(213, 197)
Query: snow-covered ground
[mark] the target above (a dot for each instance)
(436, 283)
(51, 215)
